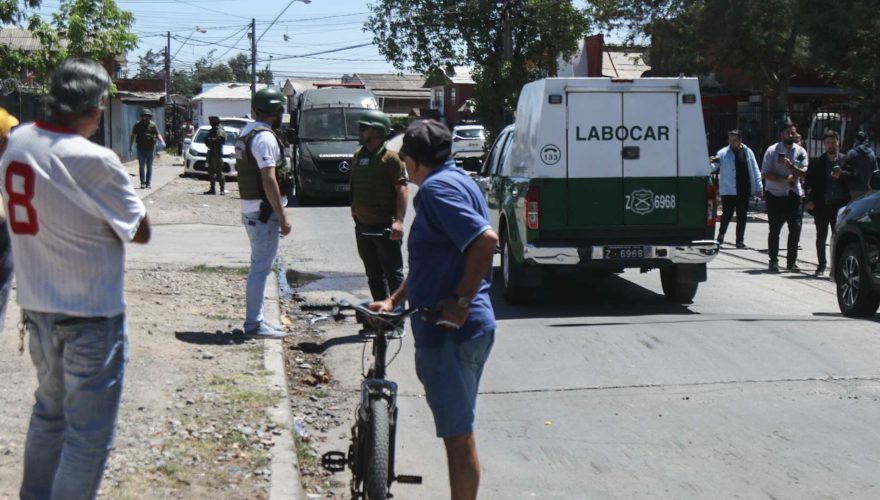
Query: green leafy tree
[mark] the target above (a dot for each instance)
(240, 65)
(150, 64)
(265, 76)
(11, 11)
(429, 36)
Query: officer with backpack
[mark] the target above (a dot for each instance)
(264, 183)
(862, 162)
(378, 204)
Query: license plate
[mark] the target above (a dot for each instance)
(342, 187)
(474, 145)
(624, 253)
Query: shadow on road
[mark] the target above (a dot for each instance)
(585, 295)
(207, 338)
(872, 319)
(316, 348)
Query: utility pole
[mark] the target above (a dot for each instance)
(253, 57)
(167, 78)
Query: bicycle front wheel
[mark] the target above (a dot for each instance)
(379, 450)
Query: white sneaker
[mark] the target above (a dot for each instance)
(266, 331)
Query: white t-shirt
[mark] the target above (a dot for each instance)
(71, 207)
(268, 154)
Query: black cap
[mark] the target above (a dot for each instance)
(861, 136)
(428, 142)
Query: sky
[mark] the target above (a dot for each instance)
(303, 30)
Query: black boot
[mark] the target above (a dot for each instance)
(210, 191)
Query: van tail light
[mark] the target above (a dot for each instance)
(711, 205)
(533, 208)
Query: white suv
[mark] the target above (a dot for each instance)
(468, 141)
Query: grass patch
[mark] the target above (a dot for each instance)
(202, 268)
(304, 454)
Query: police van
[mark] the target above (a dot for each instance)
(603, 174)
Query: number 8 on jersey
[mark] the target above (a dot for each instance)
(19, 187)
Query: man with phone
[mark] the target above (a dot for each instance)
(451, 245)
(785, 164)
(827, 184)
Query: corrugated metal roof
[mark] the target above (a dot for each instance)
(461, 75)
(415, 95)
(232, 91)
(387, 81)
(18, 38)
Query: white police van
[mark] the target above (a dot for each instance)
(603, 174)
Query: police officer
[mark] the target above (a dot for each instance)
(261, 164)
(378, 205)
(215, 140)
(146, 135)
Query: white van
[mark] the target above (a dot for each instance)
(606, 174)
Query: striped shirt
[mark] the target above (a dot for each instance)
(70, 205)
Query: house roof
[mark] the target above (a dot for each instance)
(461, 75)
(390, 86)
(229, 91)
(20, 39)
(296, 85)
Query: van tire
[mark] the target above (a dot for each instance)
(674, 290)
(301, 198)
(513, 275)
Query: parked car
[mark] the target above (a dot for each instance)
(855, 256)
(233, 122)
(195, 152)
(468, 142)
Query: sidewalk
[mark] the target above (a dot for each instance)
(193, 420)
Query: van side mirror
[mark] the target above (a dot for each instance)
(291, 135)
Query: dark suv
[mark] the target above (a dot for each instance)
(855, 256)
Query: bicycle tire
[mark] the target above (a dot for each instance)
(379, 450)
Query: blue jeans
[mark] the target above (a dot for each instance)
(80, 366)
(145, 165)
(264, 247)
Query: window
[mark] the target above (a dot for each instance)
(438, 98)
(452, 96)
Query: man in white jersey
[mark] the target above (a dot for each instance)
(259, 160)
(7, 123)
(71, 207)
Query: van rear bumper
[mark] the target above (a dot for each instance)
(696, 252)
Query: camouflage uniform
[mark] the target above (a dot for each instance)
(215, 140)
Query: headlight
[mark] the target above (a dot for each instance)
(193, 152)
(840, 215)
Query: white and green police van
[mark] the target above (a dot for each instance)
(603, 174)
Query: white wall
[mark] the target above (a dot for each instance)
(220, 107)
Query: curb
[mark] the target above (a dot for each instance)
(286, 481)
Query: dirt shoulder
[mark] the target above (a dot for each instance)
(193, 416)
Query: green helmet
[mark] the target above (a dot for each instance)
(146, 112)
(269, 101)
(376, 119)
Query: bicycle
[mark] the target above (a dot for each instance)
(371, 452)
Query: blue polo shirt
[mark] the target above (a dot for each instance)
(450, 214)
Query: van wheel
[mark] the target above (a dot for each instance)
(673, 289)
(855, 297)
(513, 275)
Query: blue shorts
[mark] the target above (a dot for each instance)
(451, 375)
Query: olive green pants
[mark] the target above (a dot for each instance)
(215, 172)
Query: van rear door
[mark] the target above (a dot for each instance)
(622, 158)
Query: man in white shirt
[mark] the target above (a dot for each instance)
(259, 159)
(71, 207)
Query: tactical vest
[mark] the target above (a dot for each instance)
(374, 194)
(250, 182)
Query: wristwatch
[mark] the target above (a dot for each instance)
(463, 302)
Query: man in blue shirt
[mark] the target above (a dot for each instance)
(451, 246)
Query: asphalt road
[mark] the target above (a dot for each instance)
(601, 389)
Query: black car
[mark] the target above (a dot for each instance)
(855, 256)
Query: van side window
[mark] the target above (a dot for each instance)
(490, 166)
(504, 160)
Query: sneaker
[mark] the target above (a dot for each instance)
(149, 186)
(820, 270)
(774, 267)
(793, 268)
(740, 245)
(720, 240)
(223, 191)
(266, 331)
(210, 191)
(143, 185)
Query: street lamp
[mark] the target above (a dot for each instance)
(254, 41)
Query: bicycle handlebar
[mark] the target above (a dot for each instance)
(383, 316)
